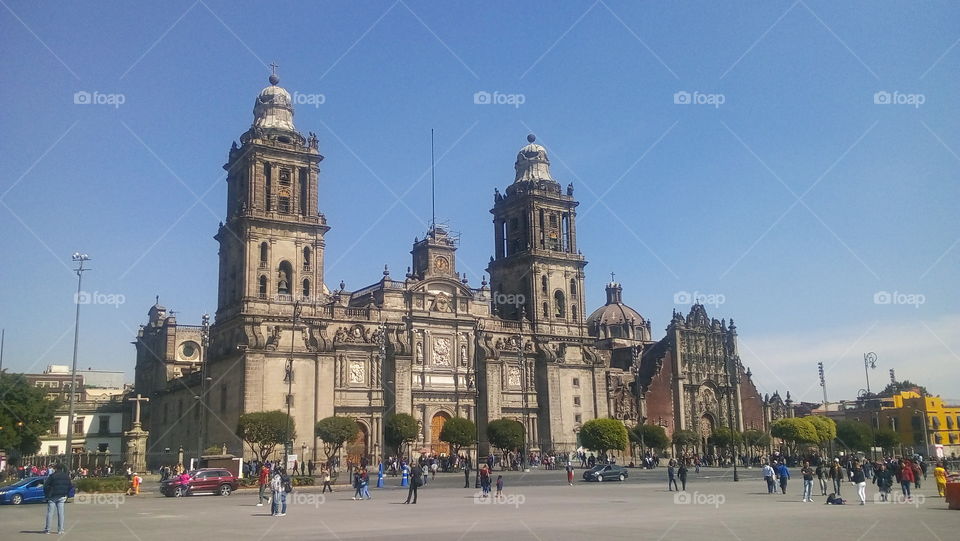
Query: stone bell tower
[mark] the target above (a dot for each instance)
(272, 244)
(536, 265)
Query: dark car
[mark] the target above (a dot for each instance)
(605, 472)
(204, 480)
(29, 490)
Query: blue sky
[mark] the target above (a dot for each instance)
(788, 196)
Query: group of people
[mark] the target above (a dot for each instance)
(273, 478)
(884, 472)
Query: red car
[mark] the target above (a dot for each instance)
(204, 480)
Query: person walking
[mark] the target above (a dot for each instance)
(858, 479)
(822, 477)
(940, 474)
(682, 474)
(807, 473)
(466, 473)
(357, 488)
(906, 478)
(884, 481)
(917, 474)
(836, 475)
(671, 477)
(784, 474)
(416, 479)
(311, 467)
(570, 473)
(365, 484)
(325, 472)
(278, 486)
(56, 488)
(264, 482)
(499, 486)
(768, 476)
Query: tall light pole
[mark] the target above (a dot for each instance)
(734, 380)
(288, 444)
(79, 259)
(204, 343)
(823, 384)
(869, 361)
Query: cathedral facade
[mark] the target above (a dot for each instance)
(426, 344)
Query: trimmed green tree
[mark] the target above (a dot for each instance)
(458, 432)
(400, 429)
(602, 435)
(886, 439)
(685, 439)
(263, 431)
(654, 436)
(854, 435)
(794, 431)
(826, 428)
(335, 431)
(505, 434)
(26, 414)
(724, 437)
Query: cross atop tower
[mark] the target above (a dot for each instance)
(612, 276)
(273, 68)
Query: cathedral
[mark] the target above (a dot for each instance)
(520, 346)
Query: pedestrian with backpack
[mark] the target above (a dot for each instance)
(416, 481)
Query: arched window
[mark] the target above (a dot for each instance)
(573, 312)
(573, 287)
(268, 186)
(546, 310)
(304, 196)
(306, 289)
(560, 304)
(543, 283)
(283, 200)
(263, 287)
(306, 257)
(264, 254)
(284, 278)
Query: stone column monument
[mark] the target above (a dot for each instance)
(135, 439)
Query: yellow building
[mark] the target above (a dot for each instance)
(923, 422)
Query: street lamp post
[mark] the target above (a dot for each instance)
(79, 259)
(734, 380)
(288, 443)
(204, 343)
(869, 361)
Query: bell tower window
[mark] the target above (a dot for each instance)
(306, 258)
(573, 286)
(560, 302)
(306, 289)
(543, 283)
(283, 200)
(268, 186)
(304, 189)
(284, 278)
(264, 254)
(262, 292)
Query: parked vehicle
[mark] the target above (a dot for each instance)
(204, 480)
(29, 490)
(605, 472)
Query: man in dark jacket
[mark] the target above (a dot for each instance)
(416, 479)
(56, 488)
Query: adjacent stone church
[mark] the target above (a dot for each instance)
(427, 343)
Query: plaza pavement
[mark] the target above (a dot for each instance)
(537, 506)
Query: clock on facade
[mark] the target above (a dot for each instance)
(441, 264)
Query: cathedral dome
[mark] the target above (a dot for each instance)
(273, 108)
(617, 320)
(532, 162)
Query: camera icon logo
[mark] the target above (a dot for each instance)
(882, 297)
(82, 297)
(482, 97)
(82, 97)
(882, 98)
(682, 498)
(681, 97)
(682, 297)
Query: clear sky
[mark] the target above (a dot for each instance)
(806, 184)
